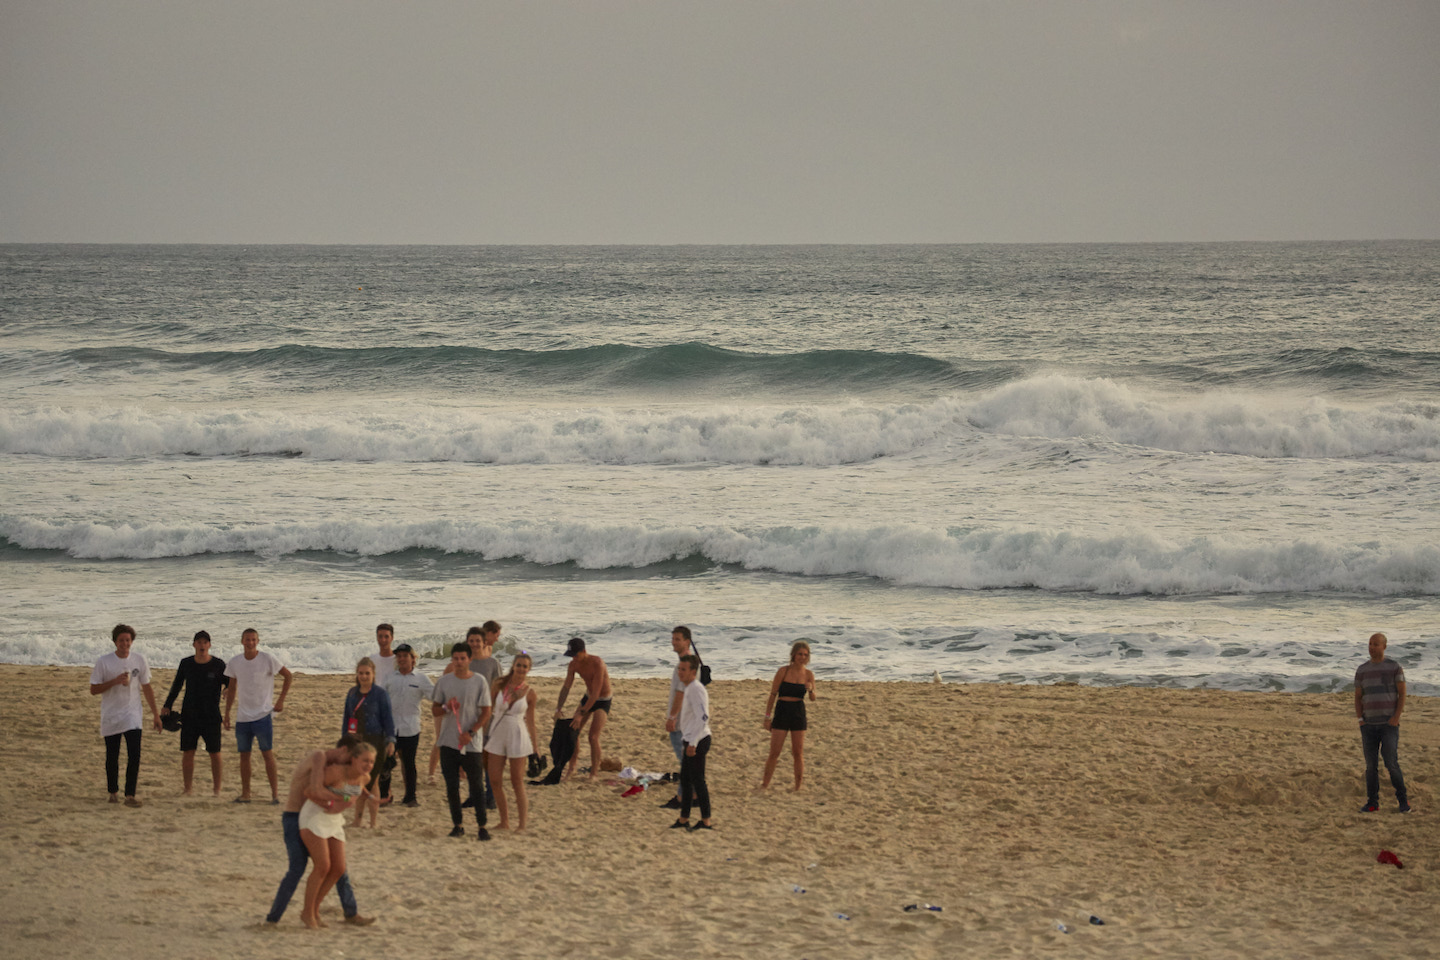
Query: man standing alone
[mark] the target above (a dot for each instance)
(252, 676)
(1379, 701)
(118, 679)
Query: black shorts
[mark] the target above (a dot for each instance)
(599, 704)
(789, 715)
(191, 731)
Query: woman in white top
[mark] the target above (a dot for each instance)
(511, 737)
(323, 831)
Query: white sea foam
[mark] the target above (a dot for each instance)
(1256, 425)
(813, 435)
(1235, 659)
(1138, 562)
(1054, 406)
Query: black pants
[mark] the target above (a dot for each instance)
(132, 761)
(452, 761)
(692, 781)
(406, 747)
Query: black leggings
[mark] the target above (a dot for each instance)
(406, 747)
(132, 761)
(452, 761)
(692, 781)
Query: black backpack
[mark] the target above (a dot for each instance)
(704, 667)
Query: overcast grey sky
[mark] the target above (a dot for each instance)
(344, 121)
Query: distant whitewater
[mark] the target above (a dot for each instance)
(1054, 406)
(1174, 464)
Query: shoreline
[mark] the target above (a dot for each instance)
(1194, 822)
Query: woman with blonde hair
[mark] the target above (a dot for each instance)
(511, 737)
(787, 699)
(369, 717)
(323, 831)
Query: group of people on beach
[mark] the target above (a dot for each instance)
(485, 728)
(484, 723)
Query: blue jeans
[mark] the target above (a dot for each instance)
(299, 856)
(1382, 740)
(677, 743)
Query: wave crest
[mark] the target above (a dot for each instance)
(1132, 563)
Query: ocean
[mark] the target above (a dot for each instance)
(1187, 465)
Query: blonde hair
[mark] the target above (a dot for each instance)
(365, 662)
(362, 749)
(796, 647)
(504, 681)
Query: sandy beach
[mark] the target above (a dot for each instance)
(1193, 823)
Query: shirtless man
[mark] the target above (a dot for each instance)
(595, 703)
(308, 782)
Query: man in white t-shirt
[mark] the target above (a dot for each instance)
(384, 660)
(681, 643)
(407, 690)
(119, 678)
(252, 679)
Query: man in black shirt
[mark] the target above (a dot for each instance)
(203, 678)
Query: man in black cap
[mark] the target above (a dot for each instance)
(595, 704)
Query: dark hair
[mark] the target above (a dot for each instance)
(349, 741)
(249, 630)
(691, 659)
(684, 631)
(474, 632)
(491, 626)
(385, 626)
(201, 635)
(460, 648)
(121, 628)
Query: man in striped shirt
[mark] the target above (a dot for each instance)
(1379, 701)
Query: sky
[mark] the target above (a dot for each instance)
(895, 121)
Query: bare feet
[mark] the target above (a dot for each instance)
(312, 922)
(187, 792)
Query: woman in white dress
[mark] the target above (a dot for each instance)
(323, 830)
(511, 737)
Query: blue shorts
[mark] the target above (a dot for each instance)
(260, 731)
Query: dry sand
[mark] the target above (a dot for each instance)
(1194, 823)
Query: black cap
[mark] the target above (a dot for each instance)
(576, 646)
(403, 648)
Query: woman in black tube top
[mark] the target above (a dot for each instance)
(787, 698)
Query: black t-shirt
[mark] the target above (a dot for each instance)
(203, 683)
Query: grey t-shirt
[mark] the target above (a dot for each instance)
(474, 696)
(487, 667)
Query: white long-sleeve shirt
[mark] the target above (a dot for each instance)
(695, 713)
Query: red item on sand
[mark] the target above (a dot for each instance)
(1387, 857)
(633, 791)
